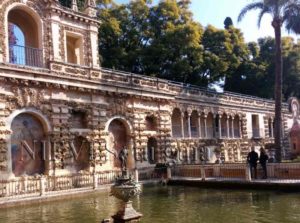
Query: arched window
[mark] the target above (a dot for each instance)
(202, 125)
(186, 125)
(230, 123)
(24, 37)
(224, 126)
(237, 127)
(210, 125)
(194, 124)
(176, 123)
(271, 127)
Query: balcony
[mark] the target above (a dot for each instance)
(26, 56)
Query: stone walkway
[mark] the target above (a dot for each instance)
(238, 182)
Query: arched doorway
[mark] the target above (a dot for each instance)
(152, 151)
(118, 138)
(28, 145)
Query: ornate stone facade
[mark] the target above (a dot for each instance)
(77, 104)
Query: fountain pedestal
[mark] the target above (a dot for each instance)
(124, 189)
(127, 214)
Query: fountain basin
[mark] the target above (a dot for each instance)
(125, 192)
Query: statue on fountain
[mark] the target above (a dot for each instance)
(125, 188)
(123, 158)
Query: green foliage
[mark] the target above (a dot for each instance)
(255, 76)
(161, 40)
(68, 3)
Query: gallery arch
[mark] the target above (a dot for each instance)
(194, 124)
(176, 123)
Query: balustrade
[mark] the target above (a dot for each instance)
(26, 56)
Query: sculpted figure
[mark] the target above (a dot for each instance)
(123, 158)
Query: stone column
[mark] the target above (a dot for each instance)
(272, 130)
(232, 127)
(196, 155)
(205, 126)
(136, 175)
(199, 126)
(42, 185)
(240, 127)
(227, 125)
(189, 126)
(182, 125)
(188, 155)
(220, 127)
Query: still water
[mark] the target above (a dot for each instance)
(168, 204)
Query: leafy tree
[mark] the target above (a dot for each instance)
(248, 77)
(216, 44)
(161, 40)
(282, 11)
(224, 51)
(175, 51)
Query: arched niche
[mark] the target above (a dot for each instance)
(224, 125)
(28, 144)
(152, 151)
(119, 137)
(237, 126)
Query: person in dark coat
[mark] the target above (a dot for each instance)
(252, 159)
(263, 158)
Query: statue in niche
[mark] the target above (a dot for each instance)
(294, 108)
(123, 158)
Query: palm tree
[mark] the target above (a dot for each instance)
(283, 12)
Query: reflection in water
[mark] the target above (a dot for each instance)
(169, 204)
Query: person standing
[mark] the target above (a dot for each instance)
(252, 159)
(263, 158)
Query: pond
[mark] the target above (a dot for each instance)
(168, 204)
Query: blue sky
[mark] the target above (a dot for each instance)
(215, 11)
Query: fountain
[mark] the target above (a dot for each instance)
(125, 188)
